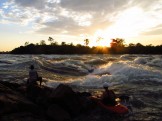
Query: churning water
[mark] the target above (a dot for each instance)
(139, 76)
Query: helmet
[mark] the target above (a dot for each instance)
(105, 85)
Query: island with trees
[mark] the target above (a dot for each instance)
(117, 46)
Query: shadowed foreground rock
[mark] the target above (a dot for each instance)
(19, 103)
(57, 113)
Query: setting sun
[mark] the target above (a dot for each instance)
(66, 20)
(102, 42)
(126, 25)
(100, 38)
(130, 23)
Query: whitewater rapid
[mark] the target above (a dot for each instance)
(138, 76)
(89, 71)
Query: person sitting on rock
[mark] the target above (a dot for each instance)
(108, 97)
(33, 77)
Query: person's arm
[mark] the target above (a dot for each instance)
(113, 94)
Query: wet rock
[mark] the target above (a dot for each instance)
(87, 103)
(57, 113)
(43, 104)
(12, 101)
(62, 91)
(84, 94)
(97, 114)
(13, 86)
(64, 96)
(21, 116)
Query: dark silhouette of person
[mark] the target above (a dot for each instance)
(108, 97)
(33, 76)
(33, 90)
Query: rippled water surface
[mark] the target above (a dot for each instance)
(139, 76)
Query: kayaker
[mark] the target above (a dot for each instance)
(108, 97)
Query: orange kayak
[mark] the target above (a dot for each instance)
(119, 108)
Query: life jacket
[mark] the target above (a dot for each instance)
(109, 98)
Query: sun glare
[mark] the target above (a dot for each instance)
(128, 24)
(102, 42)
(100, 39)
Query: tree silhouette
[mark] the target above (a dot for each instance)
(42, 42)
(51, 40)
(26, 43)
(132, 45)
(63, 43)
(117, 46)
(139, 45)
(118, 42)
(86, 42)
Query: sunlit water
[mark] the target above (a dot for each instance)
(139, 76)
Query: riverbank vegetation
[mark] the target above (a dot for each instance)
(117, 46)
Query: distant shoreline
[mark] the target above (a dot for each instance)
(71, 49)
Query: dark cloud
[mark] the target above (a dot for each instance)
(94, 5)
(86, 5)
(58, 26)
(48, 17)
(38, 4)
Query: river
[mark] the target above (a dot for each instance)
(139, 76)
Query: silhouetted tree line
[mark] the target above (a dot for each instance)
(117, 46)
(57, 49)
(4, 52)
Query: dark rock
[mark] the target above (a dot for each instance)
(33, 91)
(35, 103)
(57, 113)
(87, 103)
(62, 91)
(84, 94)
(64, 96)
(43, 99)
(10, 85)
(98, 114)
(21, 116)
(12, 101)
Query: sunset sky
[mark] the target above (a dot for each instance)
(137, 21)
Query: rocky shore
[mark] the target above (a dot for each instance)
(34, 103)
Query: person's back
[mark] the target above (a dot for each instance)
(33, 75)
(108, 96)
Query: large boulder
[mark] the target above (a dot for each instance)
(12, 101)
(62, 91)
(57, 113)
(21, 116)
(64, 96)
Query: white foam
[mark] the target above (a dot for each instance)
(125, 57)
(141, 60)
(128, 70)
(98, 81)
(155, 62)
